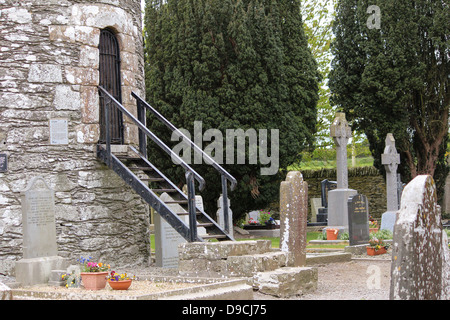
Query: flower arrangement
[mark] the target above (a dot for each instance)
(378, 243)
(113, 276)
(90, 266)
(264, 217)
(251, 221)
(70, 280)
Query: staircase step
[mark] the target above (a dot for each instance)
(286, 282)
(212, 236)
(187, 213)
(127, 158)
(141, 168)
(165, 190)
(205, 225)
(175, 201)
(152, 179)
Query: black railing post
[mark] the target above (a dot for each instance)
(108, 130)
(191, 206)
(142, 137)
(226, 220)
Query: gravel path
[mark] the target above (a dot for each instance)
(353, 280)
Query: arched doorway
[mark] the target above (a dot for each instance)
(110, 79)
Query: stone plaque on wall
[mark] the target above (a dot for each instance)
(38, 219)
(59, 132)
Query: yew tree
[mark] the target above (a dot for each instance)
(390, 74)
(232, 64)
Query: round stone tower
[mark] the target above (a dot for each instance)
(53, 56)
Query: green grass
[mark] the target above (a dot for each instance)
(330, 164)
(275, 241)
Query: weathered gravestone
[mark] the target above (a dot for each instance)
(419, 269)
(390, 159)
(167, 238)
(358, 220)
(40, 253)
(293, 217)
(337, 199)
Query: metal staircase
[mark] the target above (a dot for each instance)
(141, 175)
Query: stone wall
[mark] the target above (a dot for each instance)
(49, 70)
(367, 181)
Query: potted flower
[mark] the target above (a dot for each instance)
(332, 234)
(376, 246)
(93, 274)
(120, 281)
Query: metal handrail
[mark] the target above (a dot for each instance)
(211, 161)
(149, 134)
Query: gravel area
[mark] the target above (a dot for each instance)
(362, 278)
(367, 279)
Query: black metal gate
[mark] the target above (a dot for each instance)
(110, 80)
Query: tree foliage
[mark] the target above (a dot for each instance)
(232, 64)
(395, 78)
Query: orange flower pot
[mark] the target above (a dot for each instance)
(94, 280)
(120, 285)
(372, 251)
(332, 234)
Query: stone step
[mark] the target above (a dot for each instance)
(248, 265)
(222, 250)
(56, 278)
(286, 282)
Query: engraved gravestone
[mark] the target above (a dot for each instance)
(38, 218)
(167, 238)
(39, 235)
(358, 220)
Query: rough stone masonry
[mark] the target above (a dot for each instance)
(49, 73)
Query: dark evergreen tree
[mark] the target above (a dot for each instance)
(395, 78)
(232, 64)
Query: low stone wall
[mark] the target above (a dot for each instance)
(366, 180)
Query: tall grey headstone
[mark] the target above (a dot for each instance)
(40, 253)
(419, 269)
(337, 199)
(390, 159)
(167, 238)
(358, 219)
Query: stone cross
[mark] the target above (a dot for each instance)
(340, 131)
(420, 254)
(293, 217)
(391, 159)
